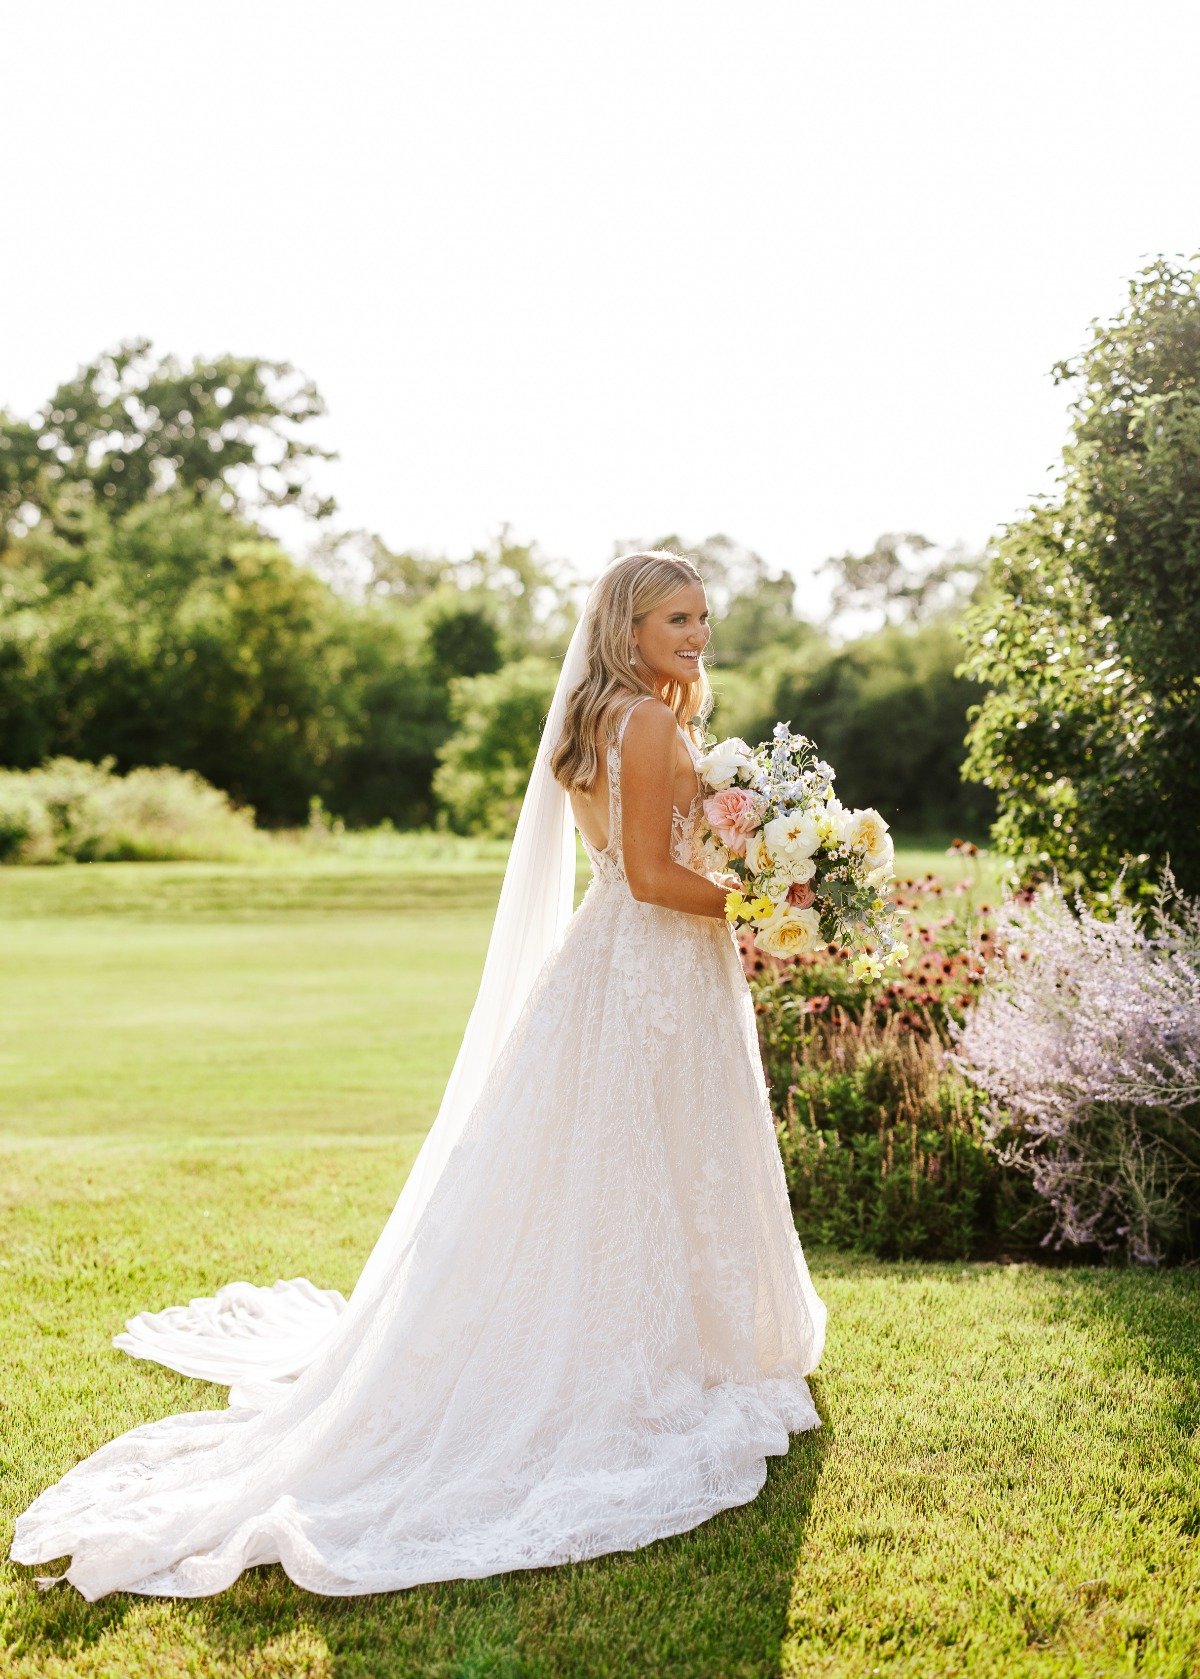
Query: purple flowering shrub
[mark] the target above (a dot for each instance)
(1085, 1043)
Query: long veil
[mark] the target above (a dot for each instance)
(247, 1336)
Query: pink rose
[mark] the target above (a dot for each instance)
(800, 894)
(733, 815)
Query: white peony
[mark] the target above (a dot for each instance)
(758, 858)
(834, 822)
(789, 932)
(868, 832)
(792, 840)
(720, 766)
(716, 857)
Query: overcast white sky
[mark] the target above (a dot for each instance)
(792, 272)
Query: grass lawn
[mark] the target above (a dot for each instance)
(219, 1071)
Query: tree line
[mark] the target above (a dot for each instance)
(147, 615)
(1050, 687)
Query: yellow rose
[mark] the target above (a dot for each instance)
(868, 832)
(789, 932)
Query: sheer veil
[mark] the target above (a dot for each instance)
(246, 1336)
(534, 908)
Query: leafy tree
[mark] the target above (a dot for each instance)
(887, 711)
(174, 634)
(462, 640)
(1087, 637)
(404, 659)
(904, 579)
(361, 566)
(129, 427)
(485, 764)
(384, 770)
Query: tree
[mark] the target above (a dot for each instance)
(174, 634)
(462, 639)
(485, 764)
(129, 427)
(887, 710)
(1087, 637)
(904, 579)
(401, 716)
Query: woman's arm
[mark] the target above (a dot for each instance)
(647, 785)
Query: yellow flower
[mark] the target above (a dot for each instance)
(737, 908)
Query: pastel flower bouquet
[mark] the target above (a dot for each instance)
(811, 872)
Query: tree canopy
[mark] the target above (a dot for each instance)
(130, 426)
(1086, 638)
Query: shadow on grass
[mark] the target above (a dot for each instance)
(710, 1602)
(1158, 1312)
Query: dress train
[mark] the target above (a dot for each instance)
(595, 1329)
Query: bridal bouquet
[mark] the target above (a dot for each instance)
(812, 872)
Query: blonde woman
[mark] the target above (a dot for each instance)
(588, 1321)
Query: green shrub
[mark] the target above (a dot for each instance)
(485, 765)
(882, 1139)
(26, 832)
(883, 1148)
(69, 810)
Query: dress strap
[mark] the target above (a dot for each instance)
(614, 774)
(626, 715)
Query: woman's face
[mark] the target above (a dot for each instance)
(670, 638)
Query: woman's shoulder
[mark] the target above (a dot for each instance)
(647, 718)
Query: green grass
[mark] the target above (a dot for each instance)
(210, 1072)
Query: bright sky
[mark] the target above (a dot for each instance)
(793, 272)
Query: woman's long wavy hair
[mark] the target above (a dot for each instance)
(632, 586)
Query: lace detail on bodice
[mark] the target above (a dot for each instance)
(609, 864)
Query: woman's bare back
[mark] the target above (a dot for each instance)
(590, 807)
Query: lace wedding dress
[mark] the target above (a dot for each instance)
(595, 1327)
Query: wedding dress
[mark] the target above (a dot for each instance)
(586, 1326)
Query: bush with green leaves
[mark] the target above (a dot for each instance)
(72, 811)
(887, 710)
(485, 764)
(882, 1137)
(882, 1142)
(1086, 636)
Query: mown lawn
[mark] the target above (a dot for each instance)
(210, 1072)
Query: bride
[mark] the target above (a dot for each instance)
(588, 1319)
